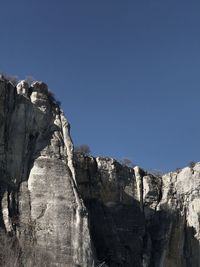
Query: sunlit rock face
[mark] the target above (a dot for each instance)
(66, 209)
(179, 208)
(140, 219)
(40, 204)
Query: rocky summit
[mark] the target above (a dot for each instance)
(60, 208)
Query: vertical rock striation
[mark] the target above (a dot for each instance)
(139, 219)
(39, 198)
(110, 192)
(71, 210)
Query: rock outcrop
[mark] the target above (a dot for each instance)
(66, 209)
(40, 204)
(139, 219)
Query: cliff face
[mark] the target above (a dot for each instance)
(39, 199)
(138, 219)
(72, 210)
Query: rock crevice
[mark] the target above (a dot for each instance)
(66, 209)
(36, 166)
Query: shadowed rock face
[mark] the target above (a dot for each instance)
(74, 210)
(138, 219)
(39, 198)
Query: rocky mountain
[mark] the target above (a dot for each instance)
(60, 208)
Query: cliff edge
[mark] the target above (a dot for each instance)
(40, 204)
(60, 208)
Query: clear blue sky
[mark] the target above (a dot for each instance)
(127, 72)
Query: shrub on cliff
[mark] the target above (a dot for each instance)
(11, 78)
(127, 162)
(53, 99)
(156, 173)
(82, 149)
(191, 164)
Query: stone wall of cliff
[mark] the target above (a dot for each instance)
(66, 209)
(139, 219)
(40, 204)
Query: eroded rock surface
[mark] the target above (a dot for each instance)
(139, 219)
(39, 199)
(66, 209)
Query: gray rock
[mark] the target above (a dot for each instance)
(39, 198)
(66, 209)
(138, 219)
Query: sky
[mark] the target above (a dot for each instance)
(127, 72)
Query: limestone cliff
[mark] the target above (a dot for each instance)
(66, 209)
(40, 204)
(138, 219)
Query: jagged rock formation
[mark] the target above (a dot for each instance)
(138, 219)
(40, 204)
(65, 209)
